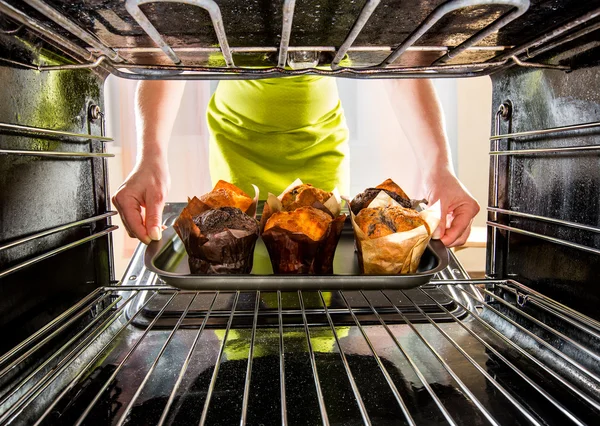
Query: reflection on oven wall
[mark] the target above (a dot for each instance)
(378, 147)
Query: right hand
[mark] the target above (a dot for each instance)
(146, 187)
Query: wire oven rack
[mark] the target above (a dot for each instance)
(454, 352)
(81, 154)
(91, 52)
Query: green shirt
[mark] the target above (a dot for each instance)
(272, 131)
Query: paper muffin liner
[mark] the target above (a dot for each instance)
(398, 253)
(295, 252)
(228, 252)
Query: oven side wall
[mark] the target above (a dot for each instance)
(39, 193)
(563, 186)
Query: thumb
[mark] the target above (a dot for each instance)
(154, 208)
(441, 229)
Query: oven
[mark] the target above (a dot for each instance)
(82, 346)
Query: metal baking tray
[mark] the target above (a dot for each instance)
(168, 259)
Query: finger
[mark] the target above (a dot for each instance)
(441, 229)
(154, 208)
(120, 210)
(131, 212)
(464, 237)
(462, 220)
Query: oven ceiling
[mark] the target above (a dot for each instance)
(253, 31)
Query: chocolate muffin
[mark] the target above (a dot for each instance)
(363, 199)
(212, 222)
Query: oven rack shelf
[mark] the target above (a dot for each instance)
(53, 252)
(509, 338)
(91, 52)
(504, 112)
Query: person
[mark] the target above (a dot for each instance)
(271, 131)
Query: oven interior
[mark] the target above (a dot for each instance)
(81, 346)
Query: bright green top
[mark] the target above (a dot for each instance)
(270, 132)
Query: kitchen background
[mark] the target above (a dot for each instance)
(378, 147)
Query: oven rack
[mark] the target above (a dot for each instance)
(544, 366)
(494, 210)
(98, 54)
(13, 129)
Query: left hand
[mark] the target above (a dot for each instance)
(458, 207)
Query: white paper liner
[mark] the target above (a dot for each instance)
(398, 253)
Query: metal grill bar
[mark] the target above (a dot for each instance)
(57, 154)
(83, 302)
(503, 61)
(560, 129)
(10, 394)
(313, 363)
(520, 8)
(547, 150)
(42, 383)
(186, 363)
(452, 6)
(281, 362)
(333, 49)
(542, 342)
(122, 363)
(582, 32)
(213, 379)
(48, 34)
(286, 31)
(74, 29)
(416, 369)
(361, 21)
(57, 229)
(84, 370)
(384, 371)
(355, 391)
(549, 35)
(507, 362)
(133, 7)
(250, 359)
(527, 355)
(452, 288)
(474, 363)
(545, 327)
(153, 365)
(53, 374)
(544, 237)
(50, 132)
(545, 219)
(574, 318)
(57, 251)
(48, 338)
(457, 379)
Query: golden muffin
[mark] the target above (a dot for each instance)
(304, 195)
(381, 221)
(225, 194)
(306, 220)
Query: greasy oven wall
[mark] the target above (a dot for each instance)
(39, 193)
(563, 261)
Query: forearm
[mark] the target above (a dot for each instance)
(420, 115)
(156, 108)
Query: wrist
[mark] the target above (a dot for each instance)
(437, 171)
(152, 155)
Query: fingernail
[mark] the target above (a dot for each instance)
(155, 233)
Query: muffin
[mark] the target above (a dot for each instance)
(219, 231)
(390, 234)
(301, 229)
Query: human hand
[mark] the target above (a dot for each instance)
(457, 205)
(141, 198)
